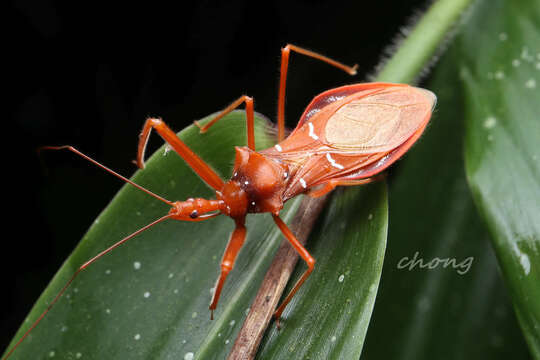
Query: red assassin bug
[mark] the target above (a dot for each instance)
(346, 136)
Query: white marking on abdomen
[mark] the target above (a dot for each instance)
(278, 148)
(311, 133)
(311, 113)
(303, 182)
(333, 162)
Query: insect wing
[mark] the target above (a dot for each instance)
(380, 122)
(331, 96)
(354, 132)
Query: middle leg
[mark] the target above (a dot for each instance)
(249, 118)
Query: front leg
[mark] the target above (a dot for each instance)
(193, 160)
(227, 262)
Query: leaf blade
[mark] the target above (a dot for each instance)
(501, 147)
(438, 312)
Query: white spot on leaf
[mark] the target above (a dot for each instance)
(523, 259)
(525, 55)
(525, 263)
(490, 122)
(530, 84)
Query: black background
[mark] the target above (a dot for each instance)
(88, 75)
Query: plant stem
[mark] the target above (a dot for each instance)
(423, 42)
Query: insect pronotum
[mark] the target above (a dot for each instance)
(346, 136)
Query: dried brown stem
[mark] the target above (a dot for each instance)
(275, 280)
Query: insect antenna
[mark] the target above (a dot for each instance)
(79, 270)
(102, 253)
(74, 150)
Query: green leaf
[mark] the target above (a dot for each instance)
(425, 39)
(501, 88)
(149, 298)
(328, 319)
(457, 311)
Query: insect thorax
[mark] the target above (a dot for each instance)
(261, 178)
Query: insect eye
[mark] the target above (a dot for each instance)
(194, 214)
